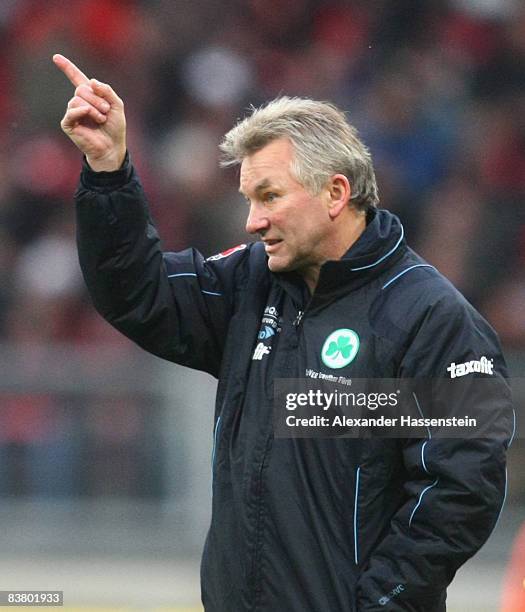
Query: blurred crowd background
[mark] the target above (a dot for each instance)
(435, 88)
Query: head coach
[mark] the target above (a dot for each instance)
(301, 525)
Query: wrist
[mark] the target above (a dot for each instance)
(110, 163)
(106, 181)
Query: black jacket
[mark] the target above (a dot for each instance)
(308, 525)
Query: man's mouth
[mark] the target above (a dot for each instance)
(271, 245)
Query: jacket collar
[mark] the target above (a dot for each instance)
(378, 248)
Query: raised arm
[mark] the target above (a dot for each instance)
(175, 305)
(94, 119)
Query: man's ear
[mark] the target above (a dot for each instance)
(339, 192)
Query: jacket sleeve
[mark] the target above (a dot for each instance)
(456, 487)
(175, 305)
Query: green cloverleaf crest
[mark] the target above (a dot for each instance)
(343, 346)
(340, 348)
(333, 348)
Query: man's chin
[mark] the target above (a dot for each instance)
(278, 264)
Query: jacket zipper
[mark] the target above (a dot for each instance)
(298, 319)
(258, 529)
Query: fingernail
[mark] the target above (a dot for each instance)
(105, 106)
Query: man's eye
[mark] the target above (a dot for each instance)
(270, 197)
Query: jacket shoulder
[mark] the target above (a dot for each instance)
(414, 286)
(416, 300)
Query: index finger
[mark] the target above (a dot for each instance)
(74, 74)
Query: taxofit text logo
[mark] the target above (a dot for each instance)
(340, 348)
(260, 351)
(483, 366)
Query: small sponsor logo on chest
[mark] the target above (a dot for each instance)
(261, 350)
(271, 324)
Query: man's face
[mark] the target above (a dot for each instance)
(293, 224)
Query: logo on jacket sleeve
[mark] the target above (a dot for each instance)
(234, 249)
(340, 348)
(483, 366)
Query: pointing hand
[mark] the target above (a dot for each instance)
(94, 119)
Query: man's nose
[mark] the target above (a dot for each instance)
(257, 220)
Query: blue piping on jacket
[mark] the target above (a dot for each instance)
(429, 436)
(356, 556)
(215, 435)
(513, 427)
(194, 275)
(421, 499)
(422, 415)
(423, 457)
(504, 499)
(405, 271)
(384, 256)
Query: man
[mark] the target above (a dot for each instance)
(301, 525)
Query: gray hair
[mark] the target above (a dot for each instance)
(324, 143)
